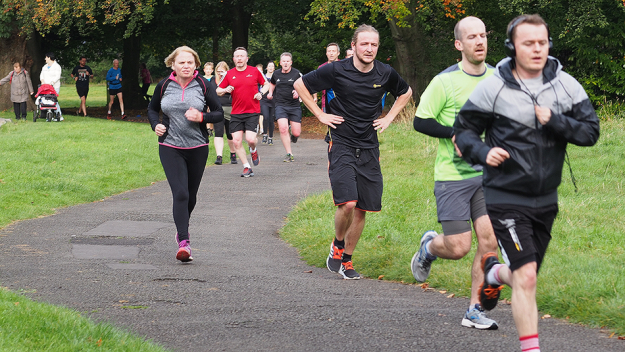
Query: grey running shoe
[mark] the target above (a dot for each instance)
(289, 158)
(476, 318)
(348, 272)
(255, 157)
(264, 139)
(247, 172)
(489, 294)
(334, 259)
(421, 261)
(270, 141)
(219, 160)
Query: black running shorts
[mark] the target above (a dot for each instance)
(355, 175)
(82, 91)
(292, 113)
(243, 122)
(523, 233)
(114, 91)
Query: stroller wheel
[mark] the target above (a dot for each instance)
(49, 115)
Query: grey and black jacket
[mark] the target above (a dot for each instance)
(504, 109)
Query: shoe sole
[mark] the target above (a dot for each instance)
(248, 175)
(184, 256)
(469, 324)
(345, 277)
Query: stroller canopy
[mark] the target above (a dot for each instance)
(46, 89)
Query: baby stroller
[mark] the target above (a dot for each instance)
(46, 104)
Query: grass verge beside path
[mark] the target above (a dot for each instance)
(583, 275)
(28, 326)
(50, 165)
(44, 166)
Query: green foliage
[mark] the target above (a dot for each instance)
(50, 165)
(63, 15)
(589, 40)
(582, 275)
(29, 326)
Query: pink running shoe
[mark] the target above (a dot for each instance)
(184, 252)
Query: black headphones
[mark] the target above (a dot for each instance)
(509, 45)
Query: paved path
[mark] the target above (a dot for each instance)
(246, 290)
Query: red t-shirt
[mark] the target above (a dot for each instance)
(245, 85)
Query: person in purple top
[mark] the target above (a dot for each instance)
(188, 102)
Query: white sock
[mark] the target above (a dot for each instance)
(427, 249)
(246, 165)
(252, 151)
(492, 278)
(122, 113)
(109, 111)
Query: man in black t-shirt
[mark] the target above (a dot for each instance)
(288, 108)
(353, 154)
(81, 74)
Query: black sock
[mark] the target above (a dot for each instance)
(346, 258)
(340, 244)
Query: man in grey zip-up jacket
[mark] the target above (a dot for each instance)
(529, 110)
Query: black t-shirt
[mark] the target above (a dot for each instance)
(283, 94)
(358, 98)
(83, 73)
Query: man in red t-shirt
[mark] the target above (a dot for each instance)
(332, 53)
(242, 83)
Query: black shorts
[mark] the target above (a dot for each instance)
(114, 91)
(523, 233)
(355, 175)
(243, 122)
(292, 113)
(82, 91)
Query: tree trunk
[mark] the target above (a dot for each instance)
(216, 44)
(241, 18)
(411, 47)
(16, 48)
(130, 73)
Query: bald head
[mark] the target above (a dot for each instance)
(460, 28)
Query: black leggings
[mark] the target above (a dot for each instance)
(19, 108)
(184, 169)
(268, 110)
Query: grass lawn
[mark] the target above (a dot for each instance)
(45, 166)
(583, 275)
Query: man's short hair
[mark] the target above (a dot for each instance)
(169, 60)
(334, 44)
(286, 54)
(82, 57)
(363, 28)
(240, 48)
(534, 19)
(51, 56)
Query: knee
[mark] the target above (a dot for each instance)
(349, 206)
(459, 246)
(284, 129)
(525, 277)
